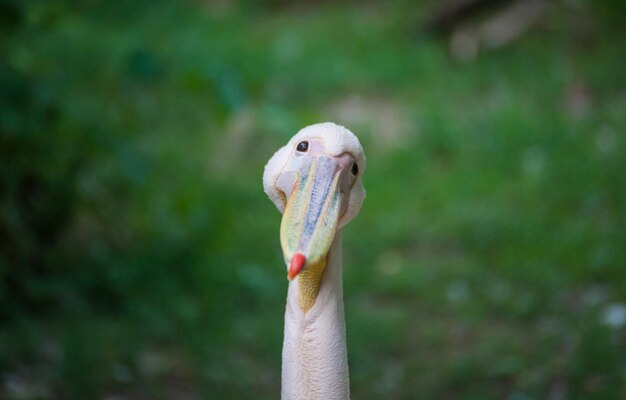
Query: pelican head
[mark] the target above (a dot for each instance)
(315, 181)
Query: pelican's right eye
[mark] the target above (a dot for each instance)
(303, 146)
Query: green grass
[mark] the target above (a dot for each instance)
(486, 257)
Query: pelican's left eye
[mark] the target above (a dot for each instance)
(303, 146)
(355, 169)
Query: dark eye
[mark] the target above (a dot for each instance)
(303, 147)
(355, 169)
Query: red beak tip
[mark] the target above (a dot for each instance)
(297, 263)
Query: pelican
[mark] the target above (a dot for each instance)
(315, 182)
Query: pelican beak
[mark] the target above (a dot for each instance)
(311, 215)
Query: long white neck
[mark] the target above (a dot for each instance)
(315, 359)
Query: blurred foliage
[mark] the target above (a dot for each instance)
(140, 258)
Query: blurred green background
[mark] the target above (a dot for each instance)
(140, 257)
